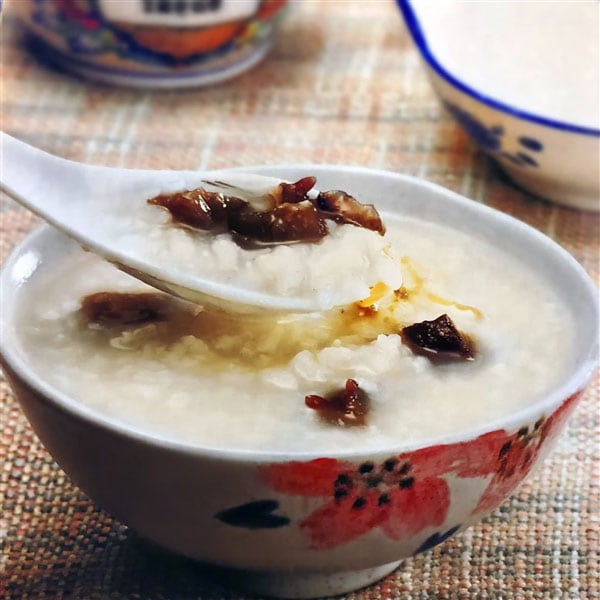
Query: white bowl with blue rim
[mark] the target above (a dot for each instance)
(555, 158)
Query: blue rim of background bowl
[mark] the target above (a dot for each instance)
(420, 41)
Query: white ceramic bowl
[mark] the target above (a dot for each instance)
(556, 160)
(305, 525)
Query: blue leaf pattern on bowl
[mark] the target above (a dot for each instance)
(491, 139)
(437, 538)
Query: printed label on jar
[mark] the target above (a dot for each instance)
(178, 13)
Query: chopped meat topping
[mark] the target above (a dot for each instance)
(115, 309)
(343, 208)
(439, 338)
(346, 407)
(293, 193)
(200, 209)
(292, 216)
(285, 223)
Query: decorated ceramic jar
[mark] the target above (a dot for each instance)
(153, 43)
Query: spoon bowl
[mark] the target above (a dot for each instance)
(73, 197)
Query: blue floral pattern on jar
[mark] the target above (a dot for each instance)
(87, 33)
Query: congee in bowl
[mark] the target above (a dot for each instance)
(451, 333)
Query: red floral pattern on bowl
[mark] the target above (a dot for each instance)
(405, 494)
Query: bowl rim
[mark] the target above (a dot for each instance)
(578, 378)
(420, 40)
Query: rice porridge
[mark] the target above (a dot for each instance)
(206, 377)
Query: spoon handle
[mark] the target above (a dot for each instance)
(35, 179)
(19, 169)
(65, 192)
(49, 186)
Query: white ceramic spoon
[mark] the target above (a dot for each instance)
(71, 196)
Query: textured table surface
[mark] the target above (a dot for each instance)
(342, 85)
